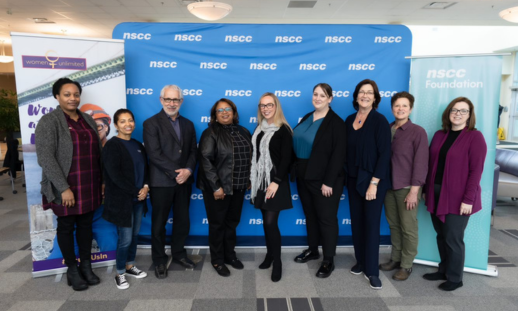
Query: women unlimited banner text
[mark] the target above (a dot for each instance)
(39, 61)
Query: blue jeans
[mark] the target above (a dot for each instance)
(128, 238)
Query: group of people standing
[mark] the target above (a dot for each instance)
(380, 163)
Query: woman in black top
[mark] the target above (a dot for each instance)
(368, 176)
(318, 142)
(126, 178)
(272, 142)
(225, 152)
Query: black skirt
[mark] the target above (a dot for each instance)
(281, 200)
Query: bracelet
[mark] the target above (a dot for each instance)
(375, 183)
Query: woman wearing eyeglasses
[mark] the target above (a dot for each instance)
(271, 161)
(225, 152)
(368, 177)
(318, 142)
(453, 193)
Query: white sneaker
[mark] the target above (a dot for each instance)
(120, 281)
(136, 272)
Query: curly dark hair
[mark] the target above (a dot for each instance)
(56, 87)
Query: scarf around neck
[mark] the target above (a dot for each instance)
(261, 168)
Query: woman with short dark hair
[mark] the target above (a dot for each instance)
(453, 192)
(409, 162)
(69, 153)
(225, 153)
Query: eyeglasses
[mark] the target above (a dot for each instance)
(462, 111)
(174, 100)
(100, 126)
(269, 106)
(221, 110)
(368, 93)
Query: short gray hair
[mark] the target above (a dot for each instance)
(171, 86)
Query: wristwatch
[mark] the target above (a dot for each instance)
(375, 183)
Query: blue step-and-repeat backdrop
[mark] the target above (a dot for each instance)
(243, 61)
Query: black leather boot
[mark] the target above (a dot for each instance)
(75, 279)
(85, 267)
(268, 259)
(276, 271)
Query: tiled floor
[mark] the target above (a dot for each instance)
(251, 288)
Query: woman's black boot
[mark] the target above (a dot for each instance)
(85, 267)
(75, 279)
(277, 271)
(267, 262)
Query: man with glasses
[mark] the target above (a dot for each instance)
(170, 141)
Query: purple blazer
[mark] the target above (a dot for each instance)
(462, 173)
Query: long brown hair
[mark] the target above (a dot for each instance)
(446, 123)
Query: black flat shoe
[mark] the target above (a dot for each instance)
(185, 262)
(235, 263)
(160, 271)
(306, 256)
(222, 270)
(277, 271)
(268, 259)
(325, 269)
(449, 286)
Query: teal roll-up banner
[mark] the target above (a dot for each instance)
(435, 81)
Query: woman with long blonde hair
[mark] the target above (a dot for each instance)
(271, 160)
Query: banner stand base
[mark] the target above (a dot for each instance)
(38, 274)
(491, 270)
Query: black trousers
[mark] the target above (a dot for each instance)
(224, 217)
(65, 234)
(450, 241)
(365, 227)
(321, 214)
(162, 198)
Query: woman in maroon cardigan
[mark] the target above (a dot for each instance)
(457, 155)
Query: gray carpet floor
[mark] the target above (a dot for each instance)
(251, 288)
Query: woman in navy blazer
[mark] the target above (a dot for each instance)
(318, 141)
(368, 176)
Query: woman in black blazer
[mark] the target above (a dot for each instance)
(318, 142)
(126, 178)
(271, 160)
(368, 176)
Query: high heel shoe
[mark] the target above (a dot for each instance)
(277, 271)
(75, 279)
(268, 259)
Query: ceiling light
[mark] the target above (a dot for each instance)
(209, 10)
(4, 58)
(42, 20)
(510, 15)
(438, 5)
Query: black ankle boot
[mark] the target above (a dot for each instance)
(85, 267)
(268, 259)
(277, 271)
(75, 279)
